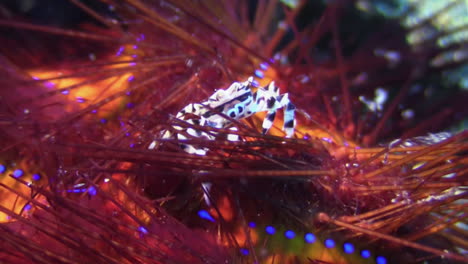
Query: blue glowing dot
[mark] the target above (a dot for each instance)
(103, 120)
(329, 243)
(80, 99)
(263, 66)
(142, 36)
(134, 56)
(132, 145)
(244, 251)
(135, 47)
(18, 173)
(252, 224)
(77, 190)
(380, 260)
(27, 207)
(205, 215)
(348, 248)
(143, 230)
(2, 168)
(127, 134)
(259, 74)
(289, 234)
(49, 84)
(119, 52)
(92, 190)
(36, 177)
(365, 253)
(270, 230)
(130, 105)
(131, 78)
(94, 111)
(65, 92)
(309, 238)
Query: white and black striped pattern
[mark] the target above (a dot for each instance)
(236, 102)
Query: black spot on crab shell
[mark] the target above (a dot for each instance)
(289, 124)
(271, 102)
(271, 117)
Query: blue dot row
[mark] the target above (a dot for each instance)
(309, 238)
(19, 173)
(35, 177)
